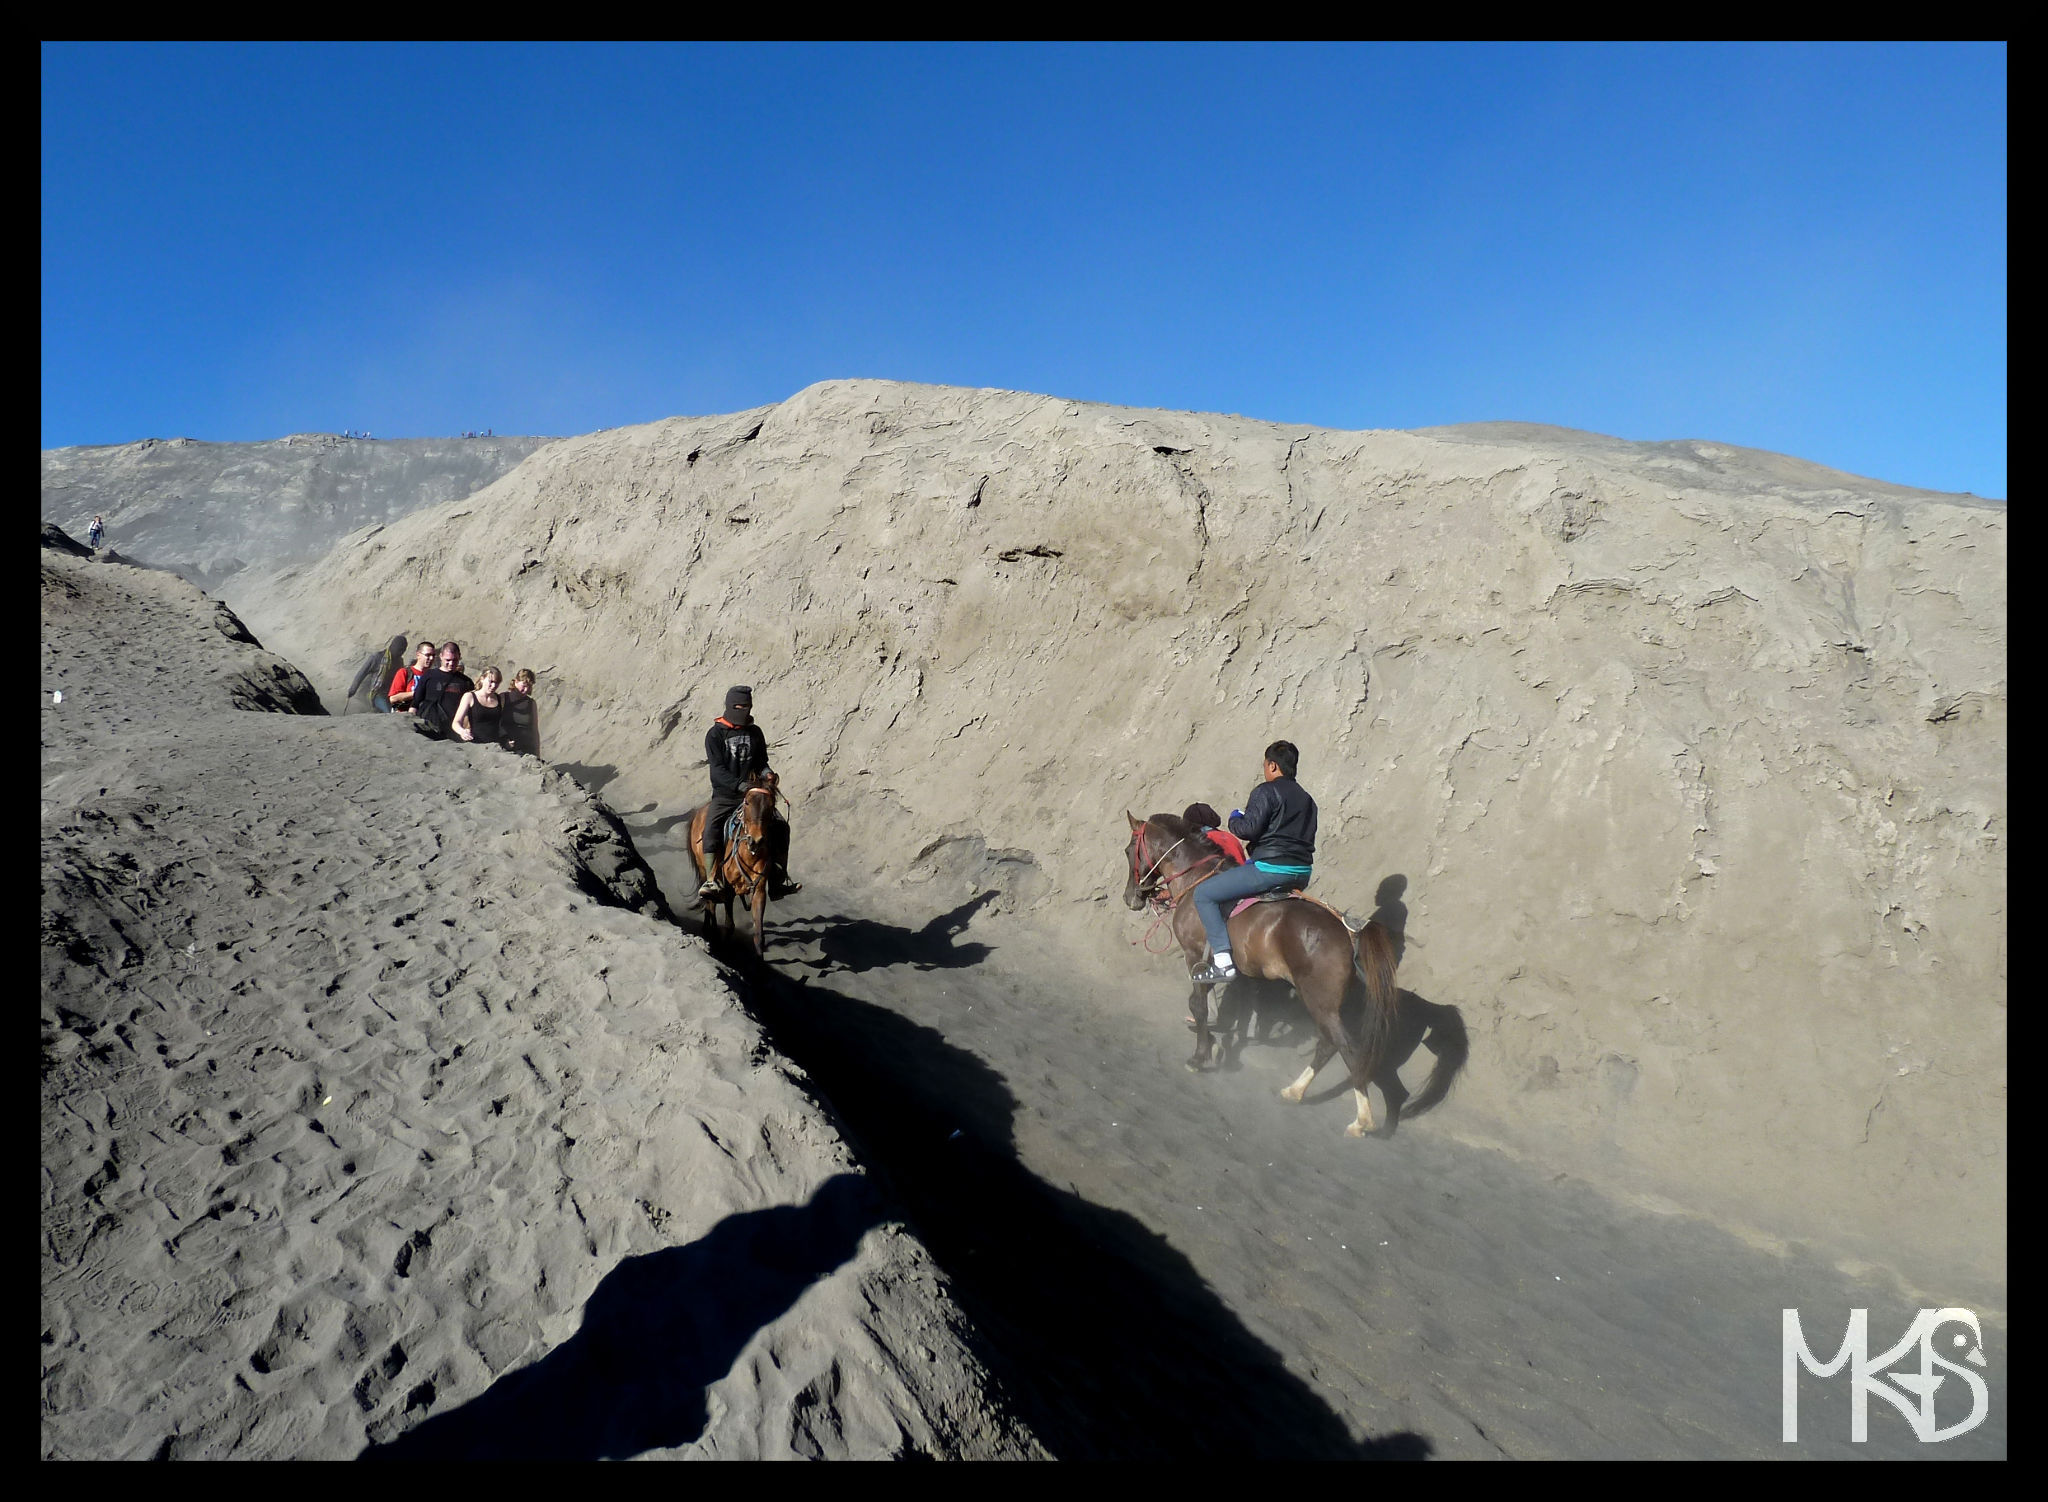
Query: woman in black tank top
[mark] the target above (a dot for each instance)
(477, 716)
(521, 721)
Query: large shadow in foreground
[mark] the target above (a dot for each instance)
(1109, 1341)
(656, 1333)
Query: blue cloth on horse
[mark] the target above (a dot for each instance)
(1220, 891)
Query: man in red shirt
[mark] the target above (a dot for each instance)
(403, 680)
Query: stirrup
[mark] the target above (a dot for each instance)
(1210, 975)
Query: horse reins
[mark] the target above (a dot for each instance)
(1172, 897)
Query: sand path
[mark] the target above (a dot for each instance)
(1180, 1264)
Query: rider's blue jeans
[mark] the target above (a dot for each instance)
(1215, 897)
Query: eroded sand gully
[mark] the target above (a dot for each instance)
(350, 1140)
(1688, 761)
(1693, 756)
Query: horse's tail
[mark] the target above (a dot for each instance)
(1373, 957)
(1447, 1041)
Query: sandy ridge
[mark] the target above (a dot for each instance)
(365, 1084)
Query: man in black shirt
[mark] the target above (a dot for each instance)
(1278, 827)
(736, 749)
(438, 694)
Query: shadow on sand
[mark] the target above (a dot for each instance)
(592, 776)
(1105, 1337)
(857, 944)
(656, 1333)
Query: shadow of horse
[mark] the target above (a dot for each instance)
(1105, 1338)
(858, 944)
(656, 1333)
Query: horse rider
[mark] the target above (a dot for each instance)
(737, 750)
(1278, 827)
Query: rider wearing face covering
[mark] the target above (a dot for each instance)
(736, 750)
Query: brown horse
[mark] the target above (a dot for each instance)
(746, 863)
(1300, 942)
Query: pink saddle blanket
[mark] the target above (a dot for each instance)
(1278, 896)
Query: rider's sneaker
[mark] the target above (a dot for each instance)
(1210, 975)
(711, 888)
(784, 887)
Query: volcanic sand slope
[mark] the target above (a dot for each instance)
(209, 510)
(1684, 764)
(381, 1106)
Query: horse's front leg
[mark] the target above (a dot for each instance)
(760, 905)
(1198, 1009)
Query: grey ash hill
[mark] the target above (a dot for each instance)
(208, 511)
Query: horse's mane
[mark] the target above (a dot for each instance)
(759, 802)
(1174, 825)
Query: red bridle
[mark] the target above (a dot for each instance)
(1172, 897)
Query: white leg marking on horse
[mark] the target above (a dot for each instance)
(1299, 1088)
(1363, 1125)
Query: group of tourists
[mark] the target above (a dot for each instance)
(353, 433)
(486, 433)
(445, 703)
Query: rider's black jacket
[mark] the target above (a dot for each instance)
(1278, 824)
(736, 752)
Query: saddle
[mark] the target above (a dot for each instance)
(1283, 894)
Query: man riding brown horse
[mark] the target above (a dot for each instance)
(1278, 827)
(1308, 944)
(737, 752)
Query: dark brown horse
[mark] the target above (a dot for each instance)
(1293, 940)
(747, 861)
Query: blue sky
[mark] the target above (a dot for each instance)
(1791, 248)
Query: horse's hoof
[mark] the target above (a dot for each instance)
(1291, 1095)
(1354, 1130)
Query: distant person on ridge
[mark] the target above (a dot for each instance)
(94, 532)
(374, 676)
(403, 680)
(1278, 827)
(736, 749)
(522, 715)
